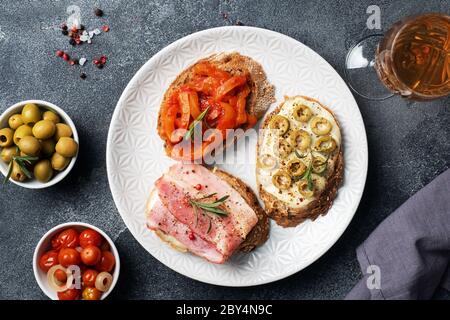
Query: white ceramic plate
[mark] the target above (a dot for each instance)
(135, 155)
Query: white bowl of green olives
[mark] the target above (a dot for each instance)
(38, 144)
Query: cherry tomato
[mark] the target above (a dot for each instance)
(89, 277)
(105, 246)
(60, 275)
(90, 293)
(90, 255)
(69, 294)
(90, 236)
(55, 242)
(48, 260)
(106, 262)
(66, 239)
(68, 257)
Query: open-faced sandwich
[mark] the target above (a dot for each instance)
(223, 91)
(300, 161)
(206, 212)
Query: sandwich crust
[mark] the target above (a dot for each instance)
(287, 216)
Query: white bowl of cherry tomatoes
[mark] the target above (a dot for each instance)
(76, 261)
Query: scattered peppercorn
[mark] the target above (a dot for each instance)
(100, 66)
(65, 32)
(105, 28)
(191, 236)
(98, 12)
(59, 53)
(64, 26)
(83, 76)
(72, 42)
(66, 56)
(225, 15)
(198, 186)
(239, 23)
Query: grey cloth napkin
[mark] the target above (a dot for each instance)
(410, 248)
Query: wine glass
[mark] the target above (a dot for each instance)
(412, 59)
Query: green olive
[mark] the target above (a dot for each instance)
(6, 137)
(30, 145)
(266, 161)
(280, 124)
(51, 116)
(22, 131)
(281, 180)
(325, 144)
(302, 113)
(296, 168)
(67, 147)
(48, 147)
(319, 163)
(31, 113)
(284, 147)
(15, 121)
(17, 173)
(44, 129)
(62, 130)
(59, 163)
(320, 126)
(8, 153)
(300, 139)
(304, 189)
(43, 170)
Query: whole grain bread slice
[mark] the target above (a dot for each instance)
(257, 236)
(262, 93)
(282, 213)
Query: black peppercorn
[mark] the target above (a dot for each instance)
(65, 32)
(98, 12)
(83, 76)
(72, 42)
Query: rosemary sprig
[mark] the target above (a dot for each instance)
(307, 176)
(211, 207)
(21, 162)
(194, 124)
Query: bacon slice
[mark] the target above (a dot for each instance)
(159, 218)
(218, 236)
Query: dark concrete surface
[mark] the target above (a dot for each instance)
(408, 144)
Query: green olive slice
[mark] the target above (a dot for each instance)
(302, 113)
(319, 163)
(296, 168)
(266, 161)
(300, 139)
(280, 124)
(320, 126)
(325, 144)
(284, 147)
(303, 189)
(281, 180)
